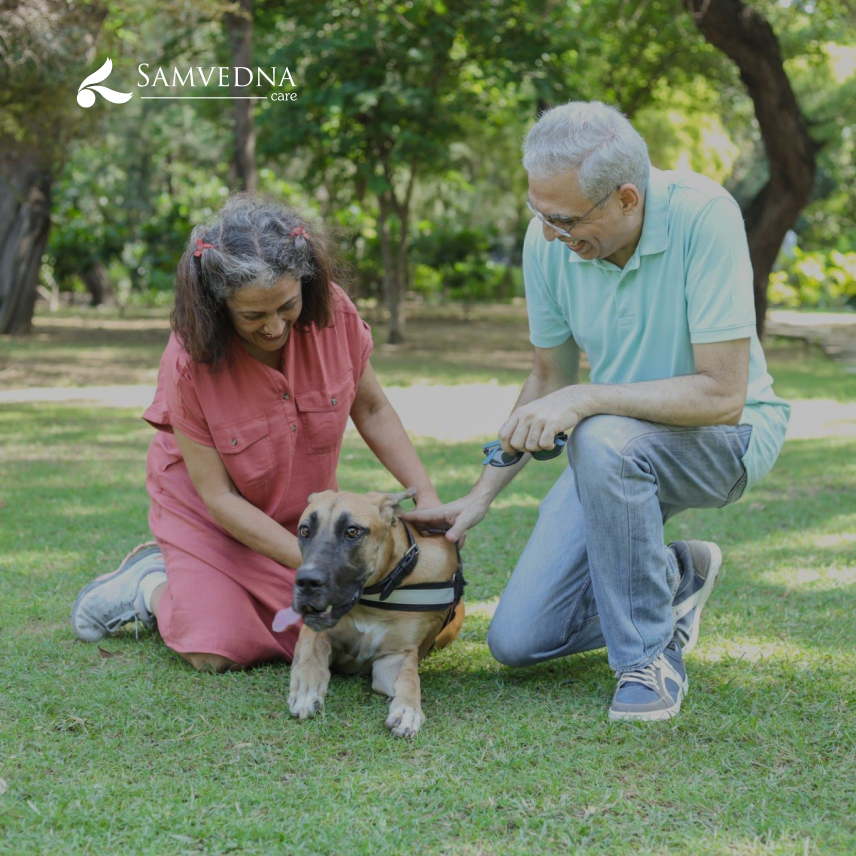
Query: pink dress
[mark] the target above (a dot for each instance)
(279, 434)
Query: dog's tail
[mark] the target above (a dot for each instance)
(451, 630)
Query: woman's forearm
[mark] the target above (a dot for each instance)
(385, 436)
(253, 528)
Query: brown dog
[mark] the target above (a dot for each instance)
(366, 608)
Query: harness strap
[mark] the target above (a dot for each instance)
(421, 597)
(404, 567)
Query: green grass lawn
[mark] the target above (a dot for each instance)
(128, 748)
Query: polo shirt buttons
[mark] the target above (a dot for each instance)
(293, 428)
(333, 401)
(234, 441)
(285, 396)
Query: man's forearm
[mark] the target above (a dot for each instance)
(494, 479)
(687, 400)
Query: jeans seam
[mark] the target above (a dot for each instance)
(645, 661)
(566, 634)
(632, 609)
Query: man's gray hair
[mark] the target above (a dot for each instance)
(593, 139)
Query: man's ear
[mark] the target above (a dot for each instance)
(390, 502)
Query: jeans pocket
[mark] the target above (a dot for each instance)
(737, 491)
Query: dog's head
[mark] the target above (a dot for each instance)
(344, 538)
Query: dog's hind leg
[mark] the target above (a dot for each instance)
(397, 676)
(310, 673)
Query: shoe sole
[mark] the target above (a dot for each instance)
(103, 578)
(714, 572)
(652, 715)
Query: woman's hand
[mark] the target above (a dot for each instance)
(426, 499)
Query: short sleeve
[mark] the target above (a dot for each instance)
(176, 404)
(548, 327)
(366, 344)
(358, 332)
(185, 412)
(719, 290)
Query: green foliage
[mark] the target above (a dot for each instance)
(818, 280)
(455, 263)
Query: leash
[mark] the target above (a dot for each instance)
(390, 594)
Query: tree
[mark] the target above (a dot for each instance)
(239, 28)
(45, 49)
(747, 38)
(385, 94)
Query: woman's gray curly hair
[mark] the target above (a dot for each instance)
(251, 242)
(592, 138)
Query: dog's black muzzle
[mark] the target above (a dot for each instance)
(320, 599)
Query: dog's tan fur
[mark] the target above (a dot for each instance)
(386, 644)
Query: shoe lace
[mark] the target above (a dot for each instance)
(117, 622)
(647, 677)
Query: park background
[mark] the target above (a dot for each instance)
(405, 137)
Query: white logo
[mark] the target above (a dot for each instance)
(86, 97)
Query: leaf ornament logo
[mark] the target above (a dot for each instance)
(86, 95)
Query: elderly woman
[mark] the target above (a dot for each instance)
(267, 360)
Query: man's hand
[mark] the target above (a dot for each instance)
(458, 516)
(534, 426)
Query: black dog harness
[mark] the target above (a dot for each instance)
(389, 593)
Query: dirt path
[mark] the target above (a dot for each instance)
(834, 332)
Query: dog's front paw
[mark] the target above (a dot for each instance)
(305, 702)
(404, 721)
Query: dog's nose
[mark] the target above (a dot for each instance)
(309, 579)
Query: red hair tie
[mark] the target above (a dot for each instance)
(299, 231)
(200, 246)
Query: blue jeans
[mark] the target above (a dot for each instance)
(596, 572)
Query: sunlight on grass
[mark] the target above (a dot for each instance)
(131, 749)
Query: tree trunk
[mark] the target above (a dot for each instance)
(745, 36)
(243, 174)
(25, 199)
(100, 287)
(393, 269)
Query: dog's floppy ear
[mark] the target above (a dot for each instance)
(390, 502)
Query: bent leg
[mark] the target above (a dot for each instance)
(210, 620)
(630, 475)
(548, 608)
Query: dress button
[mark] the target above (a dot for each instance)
(293, 428)
(234, 441)
(285, 396)
(333, 401)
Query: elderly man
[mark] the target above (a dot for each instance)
(648, 272)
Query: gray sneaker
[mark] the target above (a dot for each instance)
(701, 564)
(652, 693)
(114, 599)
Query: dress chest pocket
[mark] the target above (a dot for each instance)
(324, 413)
(246, 450)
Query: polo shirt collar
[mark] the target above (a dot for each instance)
(655, 226)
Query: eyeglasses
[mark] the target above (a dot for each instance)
(496, 456)
(577, 220)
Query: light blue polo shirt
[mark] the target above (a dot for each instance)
(688, 282)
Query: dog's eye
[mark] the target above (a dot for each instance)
(353, 532)
(303, 531)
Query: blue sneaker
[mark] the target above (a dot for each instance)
(652, 693)
(701, 565)
(115, 599)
